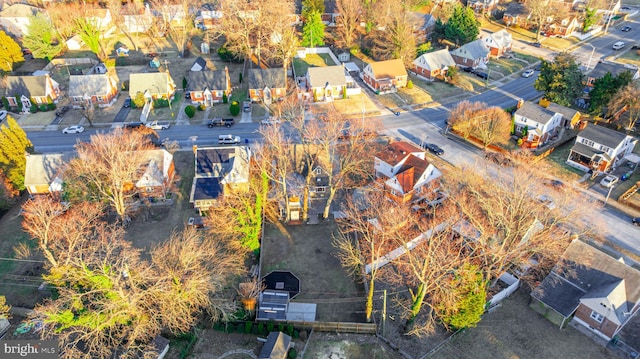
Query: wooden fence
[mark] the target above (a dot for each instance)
(339, 327)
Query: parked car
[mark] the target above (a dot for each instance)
(3, 115)
(270, 121)
(536, 44)
(73, 129)
(127, 102)
(134, 125)
(554, 184)
(626, 29)
(159, 125)
(635, 221)
(433, 148)
(228, 139)
(246, 106)
(528, 73)
(482, 75)
(187, 95)
(228, 122)
(62, 110)
(467, 69)
(609, 181)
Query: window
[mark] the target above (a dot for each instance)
(604, 148)
(320, 189)
(318, 171)
(78, 99)
(596, 316)
(100, 99)
(588, 142)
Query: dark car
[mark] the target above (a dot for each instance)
(127, 102)
(467, 69)
(187, 95)
(482, 75)
(227, 122)
(536, 44)
(554, 184)
(62, 110)
(626, 29)
(134, 125)
(433, 148)
(635, 221)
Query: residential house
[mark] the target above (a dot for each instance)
(267, 84)
(406, 173)
(472, 54)
(563, 26)
(15, 18)
(570, 117)
(74, 43)
(153, 85)
(219, 170)
(208, 19)
(483, 6)
(137, 19)
(536, 124)
(326, 83)
(157, 173)
(385, 76)
(100, 18)
(276, 347)
(209, 87)
(433, 65)
(614, 68)
(498, 43)
(517, 14)
(589, 289)
(94, 89)
(343, 56)
(599, 148)
(423, 25)
(319, 186)
(43, 172)
(24, 91)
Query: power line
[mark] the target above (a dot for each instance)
(21, 260)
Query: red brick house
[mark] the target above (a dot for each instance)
(26, 91)
(209, 87)
(98, 89)
(589, 289)
(385, 76)
(433, 65)
(266, 85)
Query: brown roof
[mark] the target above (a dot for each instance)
(413, 167)
(396, 152)
(388, 69)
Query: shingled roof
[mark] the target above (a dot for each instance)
(602, 135)
(535, 112)
(389, 69)
(272, 78)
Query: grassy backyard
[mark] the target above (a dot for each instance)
(318, 60)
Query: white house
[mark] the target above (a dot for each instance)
(14, 19)
(499, 42)
(536, 123)
(433, 65)
(407, 174)
(599, 148)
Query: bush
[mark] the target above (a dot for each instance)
(160, 102)
(110, 63)
(234, 108)
(190, 111)
(240, 77)
(293, 353)
(281, 327)
(409, 84)
(290, 330)
(184, 83)
(225, 99)
(202, 107)
(33, 109)
(270, 327)
(261, 329)
(5, 102)
(42, 108)
(247, 327)
(51, 107)
(225, 55)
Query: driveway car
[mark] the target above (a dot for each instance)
(482, 75)
(127, 102)
(3, 115)
(246, 106)
(73, 129)
(635, 221)
(467, 69)
(618, 45)
(62, 110)
(187, 95)
(609, 181)
(626, 29)
(433, 148)
(528, 73)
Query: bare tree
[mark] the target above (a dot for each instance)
(278, 161)
(493, 127)
(395, 39)
(374, 224)
(116, 8)
(461, 119)
(627, 98)
(108, 166)
(541, 11)
(348, 22)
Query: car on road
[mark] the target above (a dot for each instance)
(618, 45)
(625, 8)
(73, 129)
(528, 73)
(127, 102)
(535, 44)
(62, 110)
(609, 181)
(227, 122)
(635, 221)
(626, 28)
(159, 125)
(270, 121)
(3, 115)
(433, 148)
(482, 75)
(133, 125)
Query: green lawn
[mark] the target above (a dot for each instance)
(629, 57)
(318, 60)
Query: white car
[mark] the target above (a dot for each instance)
(270, 121)
(618, 45)
(3, 115)
(528, 73)
(609, 181)
(73, 129)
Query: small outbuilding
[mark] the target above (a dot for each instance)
(276, 347)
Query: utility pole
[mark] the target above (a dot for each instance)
(384, 311)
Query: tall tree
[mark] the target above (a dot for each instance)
(463, 117)
(117, 16)
(41, 38)
(10, 52)
(541, 11)
(493, 127)
(108, 166)
(375, 224)
(628, 99)
(310, 6)
(560, 80)
(348, 23)
(462, 26)
(395, 40)
(313, 30)
(91, 35)
(462, 304)
(604, 88)
(14, 146)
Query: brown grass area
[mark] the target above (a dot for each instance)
(349, 106)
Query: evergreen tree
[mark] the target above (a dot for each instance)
(10, 52)
(604, 88)
(42, 39)
(313, 31)
(309, 6)
(14, 146)
(462, 27)
(560, 80)
(90, 34)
